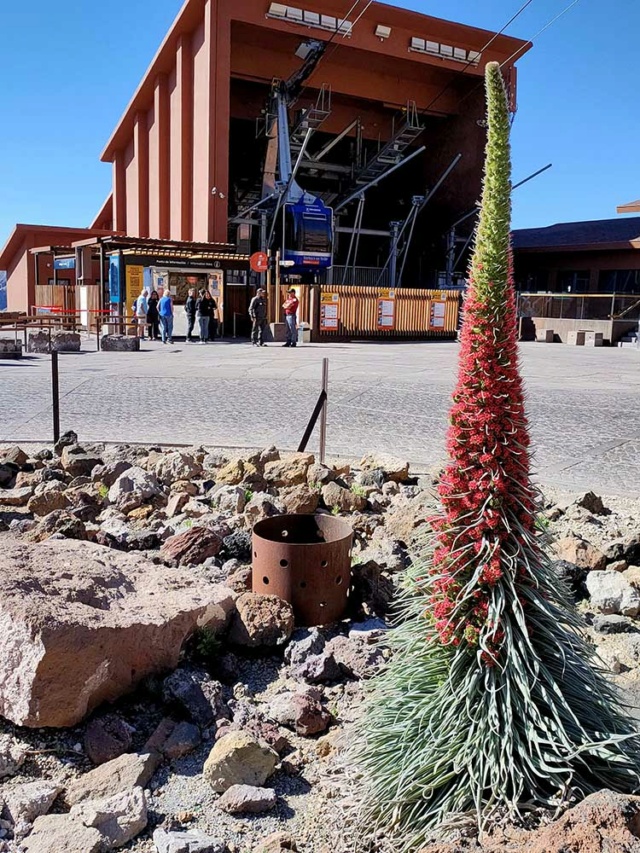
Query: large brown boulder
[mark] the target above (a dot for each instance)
(261, 620)
(583, 554)
(81, 624)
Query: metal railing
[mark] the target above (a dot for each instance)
(580, 306)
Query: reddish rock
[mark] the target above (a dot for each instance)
(106, 738)
(580, 552)
(192, 547)
(261, 620)
(81, 624)
(300, 499)
(300, 711)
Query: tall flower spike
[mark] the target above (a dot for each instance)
(492, 698)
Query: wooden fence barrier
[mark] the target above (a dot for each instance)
(344, 312)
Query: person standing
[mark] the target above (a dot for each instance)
(165, 310)
(190, 311)
(153, 318)
(213, 317)
(258, 314)
(291, 317)
(142, 306)
(203, 313)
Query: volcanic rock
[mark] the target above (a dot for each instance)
(193, 546)
(122, 774)
(611, 593)
(392, 467)
(106, 738)
(289, 471)
(247, 799)
(187, 842)
(238, 759)
(118, 818)
(580, 552)
(81, 625)
(261, 620)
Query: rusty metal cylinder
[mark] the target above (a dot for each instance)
(305, 560)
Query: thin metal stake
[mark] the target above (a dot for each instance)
(323, 417)
(55, 393)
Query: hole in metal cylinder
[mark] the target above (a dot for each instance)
(284, 563)
(255, 554)
(324, 564)
(285, 533)
(265, 580)
(323, 604)
(339, 580)
(303, 584)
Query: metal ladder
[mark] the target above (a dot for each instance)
(311, 118)
(391, 153)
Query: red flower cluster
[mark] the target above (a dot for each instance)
(487, 500)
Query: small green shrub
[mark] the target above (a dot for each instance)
(103, 490)
(358, 490)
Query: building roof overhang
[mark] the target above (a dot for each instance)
(506, 48)
(169, 250)
(630, 207)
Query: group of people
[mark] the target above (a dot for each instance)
(156, 313)
(258, 314)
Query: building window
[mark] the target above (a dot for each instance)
(619, 281)
(573, 281)
(62, 282)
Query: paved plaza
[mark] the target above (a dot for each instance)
(583, 404)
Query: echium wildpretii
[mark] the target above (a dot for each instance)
(487, 500)
(491, 697)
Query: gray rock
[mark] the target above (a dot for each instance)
(261, 506)
(187, 842)
(372, 477)
(611, 593)
(15, 456)
(7, 474)
(119, 343)
(319, 669)
(177, 466)
(336, 496)
(370, 631)
(247, 799)
(16, 497)
(122, 774)
(304, 643)
(47, 497)
(107, 474)
(133, 488)
(612, 624)
(60, 833)
(229, 499)
(356, 656)
(25, 803)
(182, 740)
(12, 755)
(238, 545)
(392, 467)
(118, 818)
(197, 693)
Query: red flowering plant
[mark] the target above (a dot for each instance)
(492, 698)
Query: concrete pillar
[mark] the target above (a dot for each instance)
(162, 178)
(217, 29)
(119, 192)
(181, 148)
(141, 148)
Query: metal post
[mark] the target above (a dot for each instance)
(55, 393)
(393, 258)
(323, 417)
(263, 243)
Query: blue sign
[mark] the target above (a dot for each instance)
(3, 290)
(64, 263)
(115, 279)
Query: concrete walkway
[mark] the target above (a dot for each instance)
(583, 404)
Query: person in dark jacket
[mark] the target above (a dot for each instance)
(213, 319)
(258, 314)
(190, 311)
(203, 313)
(153, 318)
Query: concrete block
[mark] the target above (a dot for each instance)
(58, 341)
(278, 332)
(545, 335)
(10, 348)
(576, 338)
(593, 339)
(119, 343)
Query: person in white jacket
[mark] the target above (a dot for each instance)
(141, 309)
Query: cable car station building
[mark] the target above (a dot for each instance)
(348, 140)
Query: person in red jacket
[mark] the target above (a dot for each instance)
(291, 317)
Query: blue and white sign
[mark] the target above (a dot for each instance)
(64, 263)
(3, 290)
(114, 279)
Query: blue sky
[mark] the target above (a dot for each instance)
(70, 67)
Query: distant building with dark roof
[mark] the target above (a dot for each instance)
(602, 256)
